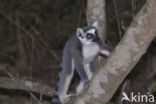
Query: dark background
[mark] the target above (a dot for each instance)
(33, 33)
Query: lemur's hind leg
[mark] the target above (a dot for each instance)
(65, 79)
(86, 72)
(81, 72)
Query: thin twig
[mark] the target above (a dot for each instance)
(8, 73)
(29, 34)
(41, 96)
(34, 97)
(21, 47)
(117, 17)
(133, 5)
(79, 20)
(32, 58)
(37, 33)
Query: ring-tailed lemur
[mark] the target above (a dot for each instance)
(79, 53)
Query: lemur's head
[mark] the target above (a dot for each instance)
(88, 34)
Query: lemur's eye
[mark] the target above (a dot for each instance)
(89, 36)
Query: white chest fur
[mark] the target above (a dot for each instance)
(89, 52)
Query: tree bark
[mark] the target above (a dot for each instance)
(17, 84)
(125, 56)
(96, 12)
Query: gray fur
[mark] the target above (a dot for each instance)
(79, 53)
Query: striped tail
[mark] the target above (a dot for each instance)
(55, 100)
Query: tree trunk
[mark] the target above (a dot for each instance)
(125, 56)
(96, 12)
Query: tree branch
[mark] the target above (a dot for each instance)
(29, 34)
(25, 85)
(128, 52)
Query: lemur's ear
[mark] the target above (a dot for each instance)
(80, 33)
(95, 24)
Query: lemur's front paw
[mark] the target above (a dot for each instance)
(56, 100)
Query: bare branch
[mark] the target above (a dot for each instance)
(117, 18)
(128, 52)
(25, 85)
(29, 34)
